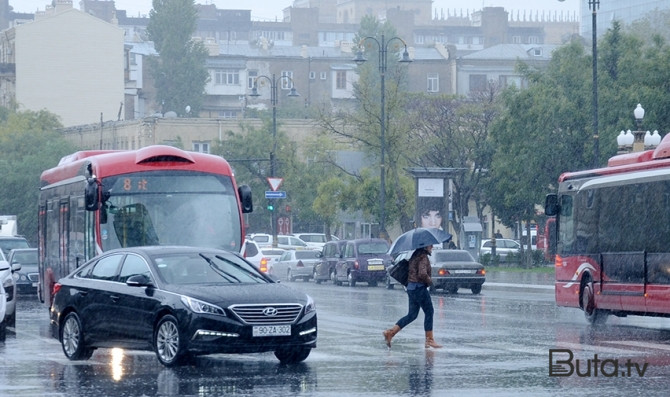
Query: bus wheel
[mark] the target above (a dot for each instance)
(592, 315)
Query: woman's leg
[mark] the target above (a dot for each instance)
(427, 306)
(413, 310)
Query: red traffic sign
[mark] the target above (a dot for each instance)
(275, 183)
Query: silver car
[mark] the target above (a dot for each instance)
(504, 247)
(295, 264)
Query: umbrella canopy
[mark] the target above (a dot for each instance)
(419, 238)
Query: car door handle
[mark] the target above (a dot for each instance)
(114, 298)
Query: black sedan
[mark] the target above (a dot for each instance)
(180, 302)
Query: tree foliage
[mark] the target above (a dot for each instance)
(29, 144)
(179, 72)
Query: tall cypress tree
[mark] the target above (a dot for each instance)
(180, 73)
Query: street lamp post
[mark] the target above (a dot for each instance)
(359, 59)
(273, 80)
(593, 6)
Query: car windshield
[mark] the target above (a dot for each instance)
(305, 255)
(373, 248)
(25, 257)
(193, 268)
(7, 245)
(451, 256)
(272, 252)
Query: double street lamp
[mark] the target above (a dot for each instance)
(359, 59)
(273, 80)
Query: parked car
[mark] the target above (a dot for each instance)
(283, 241)
(252, 253)
(363, 260)
(3, 305)
(324, 269)
(9, 285)
(452, 269)
(179, 302)
(262, 239)
(504, 247)
(313, 240)
(294, 264)
(27, 276)
(272, 255)
(8, 243)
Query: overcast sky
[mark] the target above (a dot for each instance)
(272, 9)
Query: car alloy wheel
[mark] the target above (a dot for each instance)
(72, 339)
(167, 341)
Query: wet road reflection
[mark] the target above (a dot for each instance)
(496, 343)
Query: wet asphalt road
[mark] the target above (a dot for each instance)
(497, 343)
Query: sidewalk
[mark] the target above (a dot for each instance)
(502, 278)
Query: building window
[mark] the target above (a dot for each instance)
(516, 39)
(286, 80)
(433, 82)
(477, 82)
(227, 114)
(227, 77)
(323, 75)
(537, 52)
(202, 147)
(312, 75)
(341, 80)
(251, 78)
(533, 40)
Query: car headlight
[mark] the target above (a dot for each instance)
(310, 306)
(199, 306)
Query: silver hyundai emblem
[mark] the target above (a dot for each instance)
(270, 311)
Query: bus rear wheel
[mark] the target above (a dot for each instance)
(592, 315)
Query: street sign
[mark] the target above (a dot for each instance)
(275, 194)
(275, 183)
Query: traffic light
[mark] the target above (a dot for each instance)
(271, 207)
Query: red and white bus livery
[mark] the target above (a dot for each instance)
(97, 200)
(613, 236)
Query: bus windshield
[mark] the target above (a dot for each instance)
(170, 208)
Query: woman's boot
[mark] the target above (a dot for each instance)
(390, 333)
(430, 342)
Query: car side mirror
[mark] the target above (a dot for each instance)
(139, 280)
(16, 266)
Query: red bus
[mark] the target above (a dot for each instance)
(613, 236)
(97, 200)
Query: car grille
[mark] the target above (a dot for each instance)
(264, 315)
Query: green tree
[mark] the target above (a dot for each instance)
(29, 144)
(179, 72)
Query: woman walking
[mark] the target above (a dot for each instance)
(419, 297)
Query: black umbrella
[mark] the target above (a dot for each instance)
(419, 238)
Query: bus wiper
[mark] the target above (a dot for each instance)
(241, 268)
(218, 270)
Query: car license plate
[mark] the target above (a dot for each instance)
(375, 267)
(272, 330)
(464, 271)
(34, 285)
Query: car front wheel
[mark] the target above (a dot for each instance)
(476, 289)
(167, 342)
(292, 355)
(72, 339)
(316, 280)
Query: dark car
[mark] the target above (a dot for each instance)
(324, 269)
(363, 260)
(454, 269)
(27, 277)
(180, 302)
